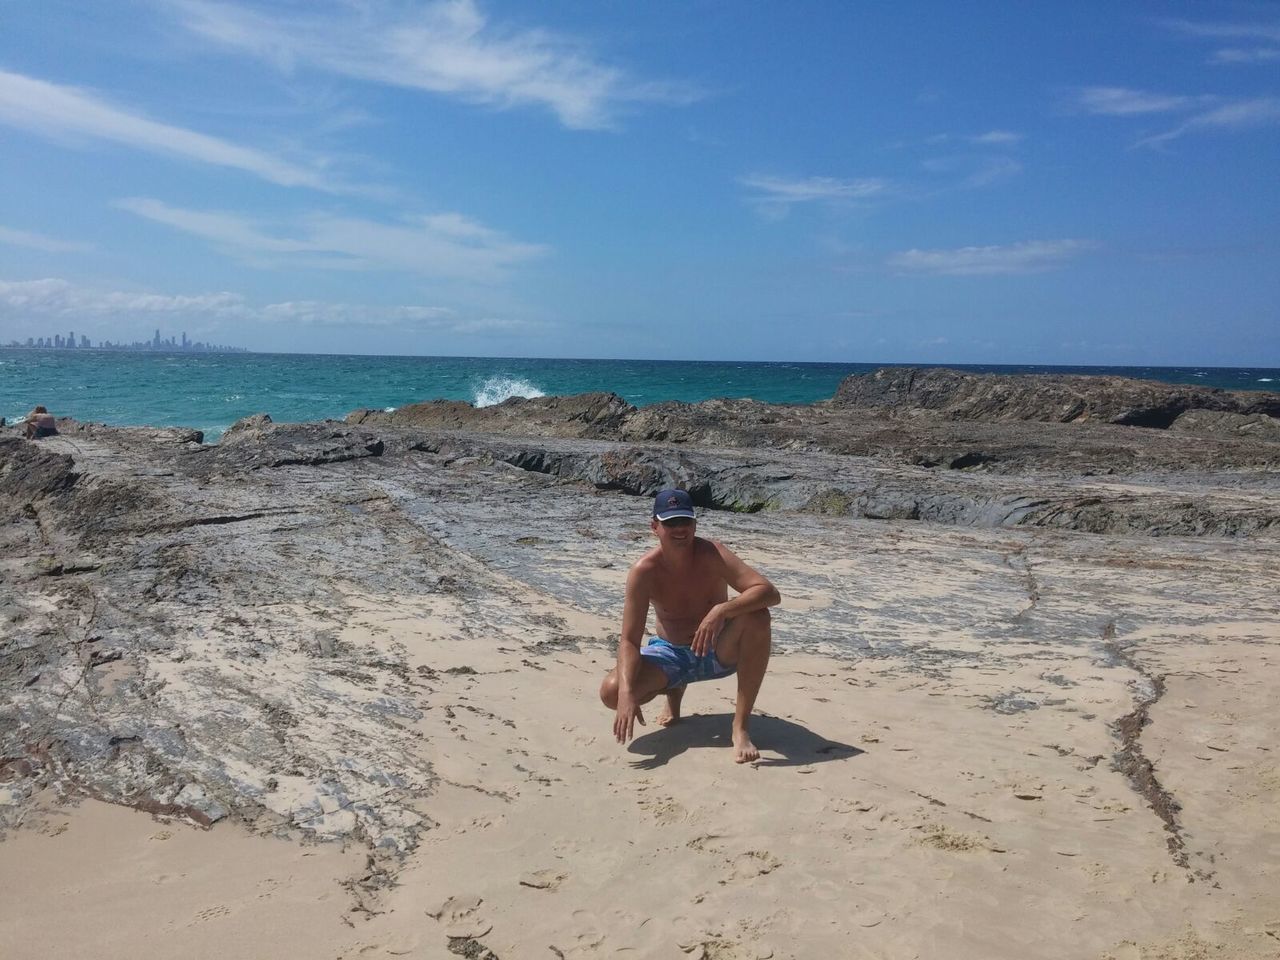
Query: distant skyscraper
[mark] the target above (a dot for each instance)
(71, 339)
(156, 341)
(184, 339)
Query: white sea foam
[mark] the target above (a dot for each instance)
(388, 409)
(496, 389)
(1265, 379)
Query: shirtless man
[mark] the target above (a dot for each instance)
(701, 633)
(40, 423)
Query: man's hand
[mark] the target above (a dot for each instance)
(704, 637)
(628, 713)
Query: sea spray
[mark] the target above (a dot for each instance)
(496, 389)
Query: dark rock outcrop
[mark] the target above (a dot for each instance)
(30, 471)
(991, 398)
(584, 414)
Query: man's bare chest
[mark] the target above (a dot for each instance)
(688, 597)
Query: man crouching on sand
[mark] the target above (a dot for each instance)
(701, 633)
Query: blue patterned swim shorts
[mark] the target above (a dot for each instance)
(681, 665)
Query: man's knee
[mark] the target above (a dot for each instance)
(760, 621)
(609, 691)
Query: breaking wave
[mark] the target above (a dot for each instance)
(496, 389)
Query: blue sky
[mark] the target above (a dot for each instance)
(1090, 183)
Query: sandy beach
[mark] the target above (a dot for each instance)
(977, 743)
(895, 812)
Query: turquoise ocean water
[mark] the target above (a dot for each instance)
(212, 391)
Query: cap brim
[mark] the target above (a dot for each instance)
(672, 514)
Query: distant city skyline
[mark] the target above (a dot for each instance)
(987, 182)
(58, 342)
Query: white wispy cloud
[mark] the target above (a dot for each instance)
(63, 112)
(1218, 30)
(448, 48)
(1207, 112)
(810, 189)
(323, 313)
(774, 197)
(1240, 115)
(36, 304)
(439, 245)
(1264, 39)
(1029, 256)
(996, 137)
(969, 172)
(1123, 101)
(1233, 55)
(56, 298)
(37, 241)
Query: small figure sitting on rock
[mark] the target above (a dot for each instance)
(40, 423)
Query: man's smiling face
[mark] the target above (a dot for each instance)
(678, 532)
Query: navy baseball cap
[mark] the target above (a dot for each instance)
(673, 503)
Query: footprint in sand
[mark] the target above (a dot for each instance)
(586, 943)
(844, 805)
(664, 810)
(941, 837)
(216, 912)
(705, 843)
(461, 918)
(753, 863)
(543, 879)
(713, 947)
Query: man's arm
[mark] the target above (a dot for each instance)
(635, 611)
(755, 592)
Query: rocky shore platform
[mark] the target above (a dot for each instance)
(328, 689)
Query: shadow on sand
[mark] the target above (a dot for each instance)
(772, 735)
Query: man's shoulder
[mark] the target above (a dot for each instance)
(648, 563)
(709, 549)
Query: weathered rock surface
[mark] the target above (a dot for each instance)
(955, 395)
(731, 479)
(1219, 423)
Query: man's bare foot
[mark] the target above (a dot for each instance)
(671, 715)
(744, 751)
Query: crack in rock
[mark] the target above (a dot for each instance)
(1130, 759)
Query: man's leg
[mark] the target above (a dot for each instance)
(672, 714)
(652, 681)
(746, 643)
